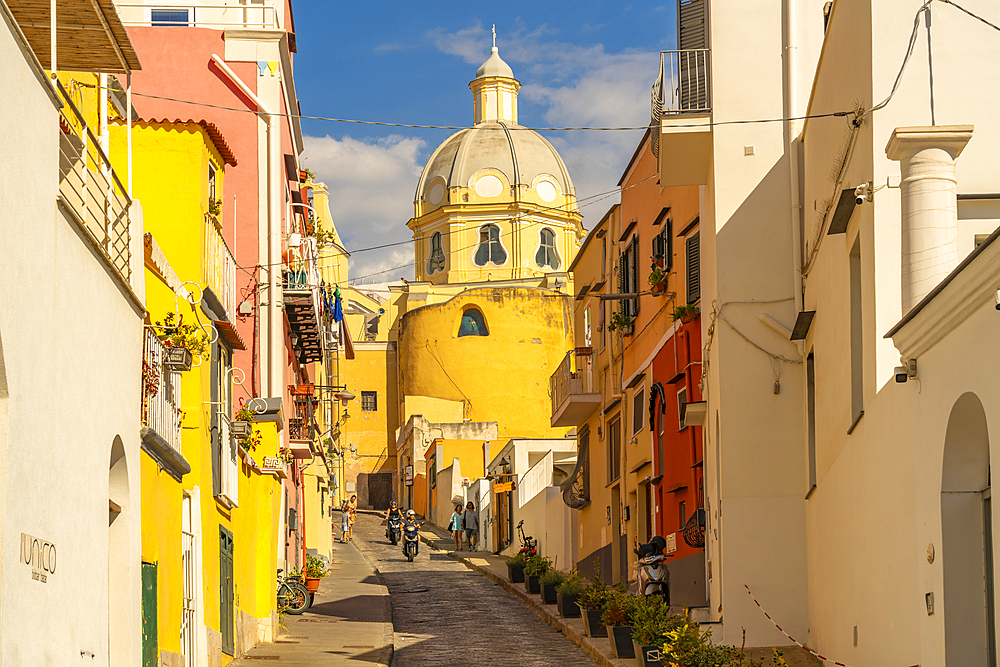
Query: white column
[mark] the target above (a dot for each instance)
(928, 207)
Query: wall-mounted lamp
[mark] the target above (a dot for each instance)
(344, 397)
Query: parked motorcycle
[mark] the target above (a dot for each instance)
(654, 577)
(411, 540)
(394, 529)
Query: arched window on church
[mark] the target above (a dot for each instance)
(473, 324)
(490, 251)
(546, 255)
(435, 261)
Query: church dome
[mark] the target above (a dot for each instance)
(494, 66)
(468, 159)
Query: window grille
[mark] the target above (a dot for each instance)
(369, 401)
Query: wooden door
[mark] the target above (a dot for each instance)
(150, 652)
(380, 490)
(226, 597)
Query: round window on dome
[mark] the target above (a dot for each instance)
(489, 186)
(546, 190)
(435, 194)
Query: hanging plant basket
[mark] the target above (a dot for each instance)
(627, 329)
(177, 359)
(240, 429)
(658, 288)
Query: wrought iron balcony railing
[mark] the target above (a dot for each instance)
(574, 392)
(161, 393)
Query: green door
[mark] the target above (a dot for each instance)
(150, 657)
(226, 597)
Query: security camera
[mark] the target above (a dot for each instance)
(862, 193)
(901, 374)
(996, 297)
(907, 372)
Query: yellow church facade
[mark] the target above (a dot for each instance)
(465, 351)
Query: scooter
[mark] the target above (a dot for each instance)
(394, 531)
(411, 540)
(654, 577)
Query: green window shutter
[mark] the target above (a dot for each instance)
(150, 652)
(226, 596)
(635, 273)
(693, 256)
(623, 282)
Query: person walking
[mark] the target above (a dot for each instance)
(470, 521)
(347, 511)
(456, 526)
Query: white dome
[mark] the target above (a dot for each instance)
(519, 153)
(494, 66)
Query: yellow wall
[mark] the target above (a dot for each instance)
(502, 377)
(438, 410)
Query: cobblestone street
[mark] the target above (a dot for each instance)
(446, 614)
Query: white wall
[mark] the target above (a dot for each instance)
(71, 347)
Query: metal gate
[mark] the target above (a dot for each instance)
(380, 490)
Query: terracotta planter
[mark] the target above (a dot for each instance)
(620, 637)
(592, 625)
(312, 585)
(548, 593)
(515, 574)
(627, 329)
(648, 656)
(567, 606)
(688, 318)
(531, 584)
(658, 288)
(302, 389)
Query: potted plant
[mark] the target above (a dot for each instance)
(215, 207)
(567, 593)
(617, 618)
(685, 314)
(657, 280)
(548, 583)
(182, 342)
(534, 567)
(651, 620)
(515, 569)
(592, 601)
(314, 570)
(286, 455)
(621, 322)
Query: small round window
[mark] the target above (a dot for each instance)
(473, 324)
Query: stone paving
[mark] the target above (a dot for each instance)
(446, 614)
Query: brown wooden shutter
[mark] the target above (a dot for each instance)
(692, 251)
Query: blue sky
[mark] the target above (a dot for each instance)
(580, 64)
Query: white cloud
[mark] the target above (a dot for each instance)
(371, 184)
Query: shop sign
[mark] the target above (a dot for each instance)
(503, 487)
(39, 555)
(408, 475)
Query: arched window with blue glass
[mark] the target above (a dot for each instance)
(490, 250)
(473, 324)
(546, 254)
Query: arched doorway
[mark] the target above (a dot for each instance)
(967, 537)
(119, 570)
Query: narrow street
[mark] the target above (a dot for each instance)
(446, 614)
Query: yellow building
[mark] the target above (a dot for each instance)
(210, 508)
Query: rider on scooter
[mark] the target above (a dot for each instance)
(391, 514)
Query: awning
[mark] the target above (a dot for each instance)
(229, 332)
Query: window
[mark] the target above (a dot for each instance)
(490, 251)
(473, 324)
(586, 327)
(546, 255)
(435, 260)
(857, 330)
(682, 399)
(168, 17)
(663, 243)
(628, 277)
(637, 410)
(692, 253)
(811, 416)
(211, 182)
(369, 401)
(614, 450)
(682, 514)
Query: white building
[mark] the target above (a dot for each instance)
(71, 309)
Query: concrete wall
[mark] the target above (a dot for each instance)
(70, 360)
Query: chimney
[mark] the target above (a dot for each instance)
(929, 204)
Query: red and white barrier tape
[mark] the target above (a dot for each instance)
(792, 639)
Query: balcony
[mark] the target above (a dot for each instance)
(682, 108)
(302, 435)
(161, 412)
(300, 293)
(220, 267)
(575, 394)
(90, 192)
(246, 15)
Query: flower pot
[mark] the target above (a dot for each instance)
(592, 625)
(688, 317)
(627, 329)
(515, 574)
(240, 429)
(177, 359)
(620, 637)
(648, 656)
(548, 593)
(312, 584)
(531, 584)
(567, 606)
(658, 288)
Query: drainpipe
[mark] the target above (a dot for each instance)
(928, 205)
(793, 128)
(274, 320)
